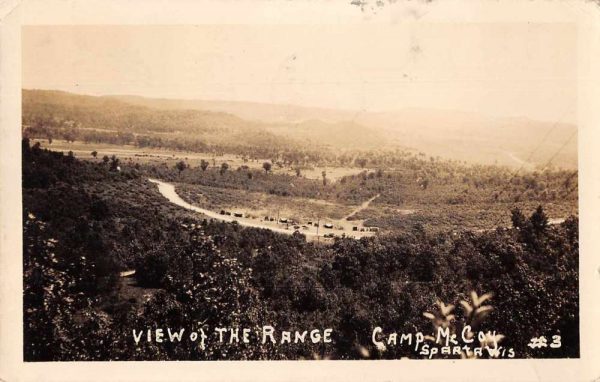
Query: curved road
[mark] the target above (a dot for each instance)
(168, 191)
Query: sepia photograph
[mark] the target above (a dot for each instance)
(391, 188)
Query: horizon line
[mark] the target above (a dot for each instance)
(264, 103)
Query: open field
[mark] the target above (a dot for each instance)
(261, 204)
(474, 217)
(388, 217)
(269, 210)
(403, 201)
(313, 230)
(159, 156)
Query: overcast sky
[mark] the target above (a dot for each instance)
(494, 68)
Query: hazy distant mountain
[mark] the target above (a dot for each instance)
(474, 137)
(518, 142)
(270, 113)
(212, 126)
(320, 126)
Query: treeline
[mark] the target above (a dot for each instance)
(254, 146)
(87, 223)
(413, 182)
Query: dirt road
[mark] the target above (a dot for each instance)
(168, 191)
(364, 205)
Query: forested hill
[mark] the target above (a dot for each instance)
(62, 109)
(107, 119)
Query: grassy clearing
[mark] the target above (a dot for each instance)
(156, 156)
(439, 218)
(259, 205)
(434, 195)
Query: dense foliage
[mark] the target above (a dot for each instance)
(84, 222)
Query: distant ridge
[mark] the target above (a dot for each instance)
(459, 135)
(465, 136)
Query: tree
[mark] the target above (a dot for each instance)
(95, 154)
(362, 162)
(114, 163)
(70, 157)
(180, 166)
(539, 220)
(224, 167)
(49, 312)
(518, 219)
(202, 284)
(203, 164)
(267, 166)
